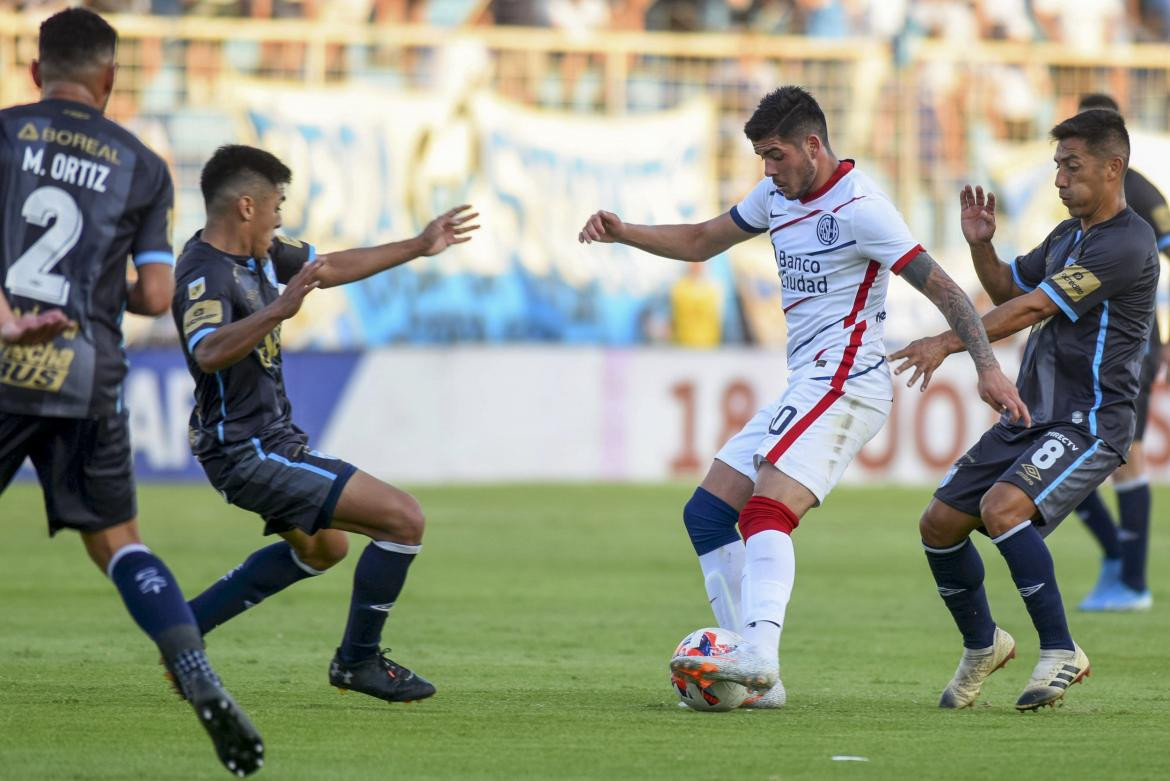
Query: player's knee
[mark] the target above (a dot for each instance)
(1000, 513)
(326, 551)
(710, 522)
(404, 520)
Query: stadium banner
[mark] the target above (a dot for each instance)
(474, 414)
(372, 165)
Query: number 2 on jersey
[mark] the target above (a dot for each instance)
(31, 275)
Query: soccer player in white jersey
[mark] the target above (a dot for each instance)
(837, 238)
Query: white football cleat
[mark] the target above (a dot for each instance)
(974, 667)
(740, 665)
(1054, 673)
(776, 697)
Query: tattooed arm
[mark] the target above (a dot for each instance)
(934, 283)
(926, 354)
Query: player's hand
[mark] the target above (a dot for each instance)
(977, 217)
(447, 229)
(924, 356)
(303, 282)
(1001, 395)
(36, 328)
(603, 226)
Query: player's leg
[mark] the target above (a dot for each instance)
(268, 571)
(85, 468)
(1099, 521)
(1051, 476)
(394, 521)
(955, 563)
(710, 517)
(1133, 503)
(805, 442)
(295, 489)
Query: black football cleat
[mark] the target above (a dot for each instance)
(379, 676)
(238, 744)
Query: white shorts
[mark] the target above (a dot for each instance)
(810, 433)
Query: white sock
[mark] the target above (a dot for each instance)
(768, 574)
(722, 573)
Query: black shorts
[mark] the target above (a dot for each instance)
(279, 477)
(1057, 466)
(84, 466)
(1150, 366)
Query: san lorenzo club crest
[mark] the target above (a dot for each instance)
(828, 230)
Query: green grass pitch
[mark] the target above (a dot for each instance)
(546, 616)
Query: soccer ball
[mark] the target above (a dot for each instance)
(714, 695)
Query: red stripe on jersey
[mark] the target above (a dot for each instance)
(796, 303)
(863, 292)
(844, 167)
(842, 206)
(793, 222)
(903, 261)
(837, 384)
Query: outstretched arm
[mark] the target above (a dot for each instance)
(339, 268)
(977, 219)
(994, 387)
(693, 242)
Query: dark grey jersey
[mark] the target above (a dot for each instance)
(79, 195)
(1081, 365)
(214, 289)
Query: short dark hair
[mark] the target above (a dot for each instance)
(790, 113)
(240, 167)
(1102, 129)
(1098, 100)
(74, 39)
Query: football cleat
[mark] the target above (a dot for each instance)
(1117, 598)
(740, 665)
(776, 697)
(1056, 671)
(975, 666)
(236, 741)
(379, 676)
(1107, 580)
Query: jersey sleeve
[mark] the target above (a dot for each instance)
(751, 214)
(288, 255)
(1103, 270)
(882, 235)
(152, 243)
(1028, 269)
(203, 304)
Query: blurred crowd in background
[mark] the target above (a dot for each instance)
(1083, 24)
(926, 94)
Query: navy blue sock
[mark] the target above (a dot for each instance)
(710, 521)
(958, 571)
(1035, 576)
(262, 574)
(1133, 502)
(155, 601)
(1099, 521)
(377, 581)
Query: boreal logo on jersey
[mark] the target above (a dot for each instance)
(828, 230)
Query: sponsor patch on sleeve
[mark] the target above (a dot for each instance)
(203, 313)
(1076, 281)
(196, 289)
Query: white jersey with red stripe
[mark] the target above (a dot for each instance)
(835, 249)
